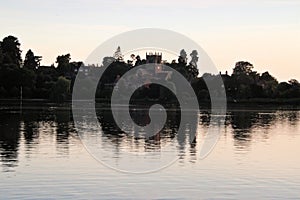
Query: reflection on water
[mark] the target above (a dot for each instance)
(141, 118)
(49, 134)
(9, 140)
(28, 127)
(31, 125)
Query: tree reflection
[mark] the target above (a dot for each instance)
(9, 140)
(292, 117)
(64, 129)
(134, 137)
(28, 128)
(64, 126)
(140, 115)
(245, 123)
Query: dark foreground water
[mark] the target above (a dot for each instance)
(257, 157)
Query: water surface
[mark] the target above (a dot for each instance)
(257, 156)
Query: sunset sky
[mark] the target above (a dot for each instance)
(265, 33)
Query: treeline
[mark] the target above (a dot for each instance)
(33, 81)
(245, 84)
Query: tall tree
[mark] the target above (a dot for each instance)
(244, 80)
(242, 67)
(11, 52)
(63, 62)
(192, 67)
(31, 61)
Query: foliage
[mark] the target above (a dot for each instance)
(63, 64)
(60, 90)
(10, 50)
(55, 83)
(242, 67)
(31, 61)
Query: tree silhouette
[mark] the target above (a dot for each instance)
(31, 61)
(192, 67)
(269, 84)
(63, 62)
(242, 67)
(11, 53)
(48, 82)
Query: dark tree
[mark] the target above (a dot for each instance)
(244, 80)
(294, 83)
(267, 77)
(63, 62)
(10, 72)
(31, 61)
(242, 67)
(269, 84)
(295, 90)
(11, 52)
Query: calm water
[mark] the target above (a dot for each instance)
(257, 156)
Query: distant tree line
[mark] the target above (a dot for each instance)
(245, 84)
(30, 78)
(33, 81)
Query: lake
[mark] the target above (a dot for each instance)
(43, 157)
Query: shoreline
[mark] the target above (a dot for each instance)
(251, 104)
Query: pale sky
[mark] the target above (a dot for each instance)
(265, 33)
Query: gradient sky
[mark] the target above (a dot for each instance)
(265, 33)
